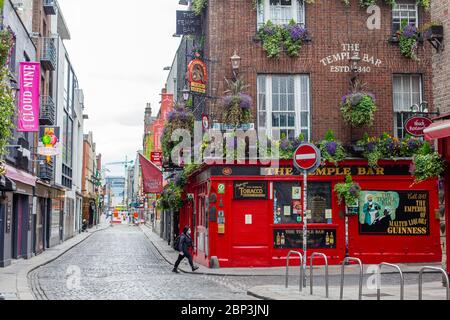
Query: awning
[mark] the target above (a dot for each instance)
(438, 130)
(20, 176)
(7, 185)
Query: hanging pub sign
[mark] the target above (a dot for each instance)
(156, 158)
(188, 23)
(197, 76)
(415, 125)
(49, 141)
(250, 190)
(394, 213)
(28, 115)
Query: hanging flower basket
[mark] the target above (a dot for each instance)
(358, 109)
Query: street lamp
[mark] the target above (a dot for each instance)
(235, 63)
(185, 93)
(354, 62)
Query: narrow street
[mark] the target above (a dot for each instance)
(121, 263)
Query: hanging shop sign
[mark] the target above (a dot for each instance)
(156, 158)
(49, 141)
(188, 23)
(394, 213)
(293, 239)
(198, 76)
(415, 125)
(205, 122)
(28, 115)
(250, 190)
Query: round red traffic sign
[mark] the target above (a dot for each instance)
(307, 157)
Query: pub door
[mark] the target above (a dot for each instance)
(251, 233)
(202, 235)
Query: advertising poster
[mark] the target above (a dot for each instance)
(395, 213)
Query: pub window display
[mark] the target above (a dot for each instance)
(287, 203)
(319, 202)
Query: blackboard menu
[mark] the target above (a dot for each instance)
(293, 239)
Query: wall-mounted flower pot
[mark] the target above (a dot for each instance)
(434, 32)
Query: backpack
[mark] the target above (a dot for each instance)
(176, 243)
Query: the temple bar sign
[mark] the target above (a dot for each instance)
(340, 171)
(188, 23)
(340, 61)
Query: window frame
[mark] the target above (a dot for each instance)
(299, 127)
(298, 10)
(396, 111)
(393, 19)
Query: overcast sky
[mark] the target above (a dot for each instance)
(118, 50)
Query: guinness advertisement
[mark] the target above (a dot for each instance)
(394, 213)
(293, 239)
(250, 190)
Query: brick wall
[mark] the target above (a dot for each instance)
(441, 87)
(231, 25)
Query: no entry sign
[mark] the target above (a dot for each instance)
(307, 157)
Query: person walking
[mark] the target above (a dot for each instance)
(185, 243)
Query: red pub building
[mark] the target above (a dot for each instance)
(251, 215)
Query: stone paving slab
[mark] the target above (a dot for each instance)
(171, 256)
(431, 291)
(14, 283)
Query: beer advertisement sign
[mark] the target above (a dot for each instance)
(394, 213)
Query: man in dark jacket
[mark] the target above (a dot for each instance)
(183, 249)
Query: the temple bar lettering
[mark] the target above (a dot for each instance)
(339, 171)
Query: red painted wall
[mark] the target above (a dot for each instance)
(252, 245)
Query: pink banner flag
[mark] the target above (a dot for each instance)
(28, 118)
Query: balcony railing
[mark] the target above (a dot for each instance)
(47, 115)
(48, 54)
(45, 171)
(50, 7)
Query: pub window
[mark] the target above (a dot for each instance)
(281, 12)
(407, 91)
(284, 105)
(407, 11)
(287, 203)
(319, 202)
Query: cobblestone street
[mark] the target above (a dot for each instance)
(121, 263)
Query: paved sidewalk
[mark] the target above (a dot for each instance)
(170, 255)
(431, 291)
(14, 284)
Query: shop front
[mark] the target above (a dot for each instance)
(440, 132)
(252, 215)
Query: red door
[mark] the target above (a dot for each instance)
(250, 233)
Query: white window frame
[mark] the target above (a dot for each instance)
(398, 111)
(298, 107)
(297, 13)
(405, 7)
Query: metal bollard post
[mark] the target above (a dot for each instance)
(361, 274)
(301, 269)
(421, 280)
(402, 280)
(311, 273)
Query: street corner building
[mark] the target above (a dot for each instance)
(251, 215)
(40, 191)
